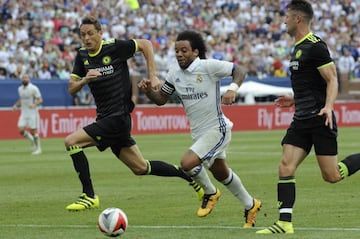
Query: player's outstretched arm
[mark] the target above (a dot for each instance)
(145, 46)
(284, 101)
(157, 96)
(238, 77)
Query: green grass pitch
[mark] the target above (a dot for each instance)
(34, 191)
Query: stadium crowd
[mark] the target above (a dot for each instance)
(41, 37)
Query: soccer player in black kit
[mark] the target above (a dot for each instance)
(314, 82)
(102, 65)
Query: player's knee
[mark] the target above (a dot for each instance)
(331, 178)
(286, 169)
(139, 170)
(189, 161)
(142, 168)
(69, 141)
(186, 165)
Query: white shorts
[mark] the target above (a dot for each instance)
(211, 145)
(29, 121)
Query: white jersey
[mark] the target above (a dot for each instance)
(28, 94)
(198, 87)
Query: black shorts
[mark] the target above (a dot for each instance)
(113, 132)
(309, 132)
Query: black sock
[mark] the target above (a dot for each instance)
(352, 163)
(160, 168)
(286, 197)
(81, 166)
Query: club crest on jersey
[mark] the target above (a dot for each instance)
(298, 54)
(198, 79)
(106, 60)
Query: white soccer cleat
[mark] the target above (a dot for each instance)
(36, 152)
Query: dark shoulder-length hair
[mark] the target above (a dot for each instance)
(196, 41)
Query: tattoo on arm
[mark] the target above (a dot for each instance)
(157, 97)
(238, 74)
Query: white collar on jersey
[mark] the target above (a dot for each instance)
(193, 65)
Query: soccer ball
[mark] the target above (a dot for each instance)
(112, 222)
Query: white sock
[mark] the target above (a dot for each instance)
(28, 136)
(37, 141)
(200, 176)
(235, 186)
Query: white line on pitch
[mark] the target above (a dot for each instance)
(179, 227)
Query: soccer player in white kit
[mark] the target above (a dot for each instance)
(29, 100)
(196, 81)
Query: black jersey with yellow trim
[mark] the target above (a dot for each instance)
(308, 56)
(112, 90)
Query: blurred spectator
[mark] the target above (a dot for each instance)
(161, 61)
(84, 98)
(68, 53)
(20, 70)
(280, 72)
(4, 55)
(63, 71)
(11, 67)
(278, 68)
(136, 77)
(346, 68)
(3, 73)
(32, 68)
(44, 72)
